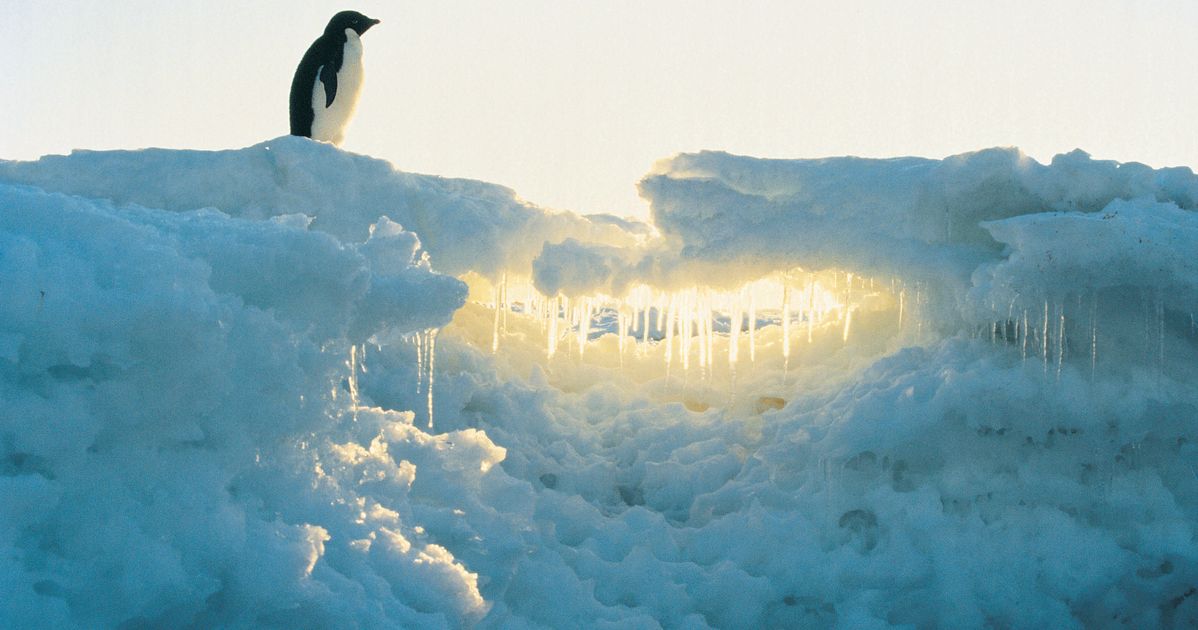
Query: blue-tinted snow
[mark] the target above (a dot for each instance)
(178, 445)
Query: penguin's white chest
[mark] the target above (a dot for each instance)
(328, 123)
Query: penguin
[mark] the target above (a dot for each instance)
(324, 92)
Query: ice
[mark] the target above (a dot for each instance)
(465, 225)
(431, 344)
(732, 220)
(814, 393)
(168, 364)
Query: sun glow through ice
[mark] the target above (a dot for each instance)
(699, 329)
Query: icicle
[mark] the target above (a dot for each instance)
(811, 310)
(848, 321)
(1010, 322)
(709, 316)
(919, 311)
(686, 314)
(752, 326)
(848, 291)
(637, 303)
(660, 312)
(432, 361)
(505, 302)
(802, 311)
(1044, 339)
(734, 325)
(645, 322)
(353, 379)
(692, 325)
(584, 325)
(553, 317)
(1025, 334)
(785, 328)
(701, 333)
(495, 326)
(419, 362)
(621, 332)
(701, 316)
(670, 321)
(1061, 340)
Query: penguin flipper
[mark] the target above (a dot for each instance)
(328, 76)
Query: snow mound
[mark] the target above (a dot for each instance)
(465, 225)
(162, 375)
(217, 373)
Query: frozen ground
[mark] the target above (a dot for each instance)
(823, 393)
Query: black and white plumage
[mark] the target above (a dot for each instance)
(324, 92)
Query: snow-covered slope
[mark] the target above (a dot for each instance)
(215, 396)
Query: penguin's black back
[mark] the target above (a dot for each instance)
(324, 56)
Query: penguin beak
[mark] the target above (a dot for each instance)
(370, 23)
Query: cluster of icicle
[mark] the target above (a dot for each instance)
(687, 322)
(426, 363)
(425, 343)
(1055, 331)
(684, 325)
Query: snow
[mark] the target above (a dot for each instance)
(1139, 243)
(465, 224)
(963, 393)
(739, 218)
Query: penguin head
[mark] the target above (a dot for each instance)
(351, 20)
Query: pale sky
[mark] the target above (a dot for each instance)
(571, 102)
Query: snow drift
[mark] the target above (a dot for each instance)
(466, 225)
(215, 372)
(161, 372)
